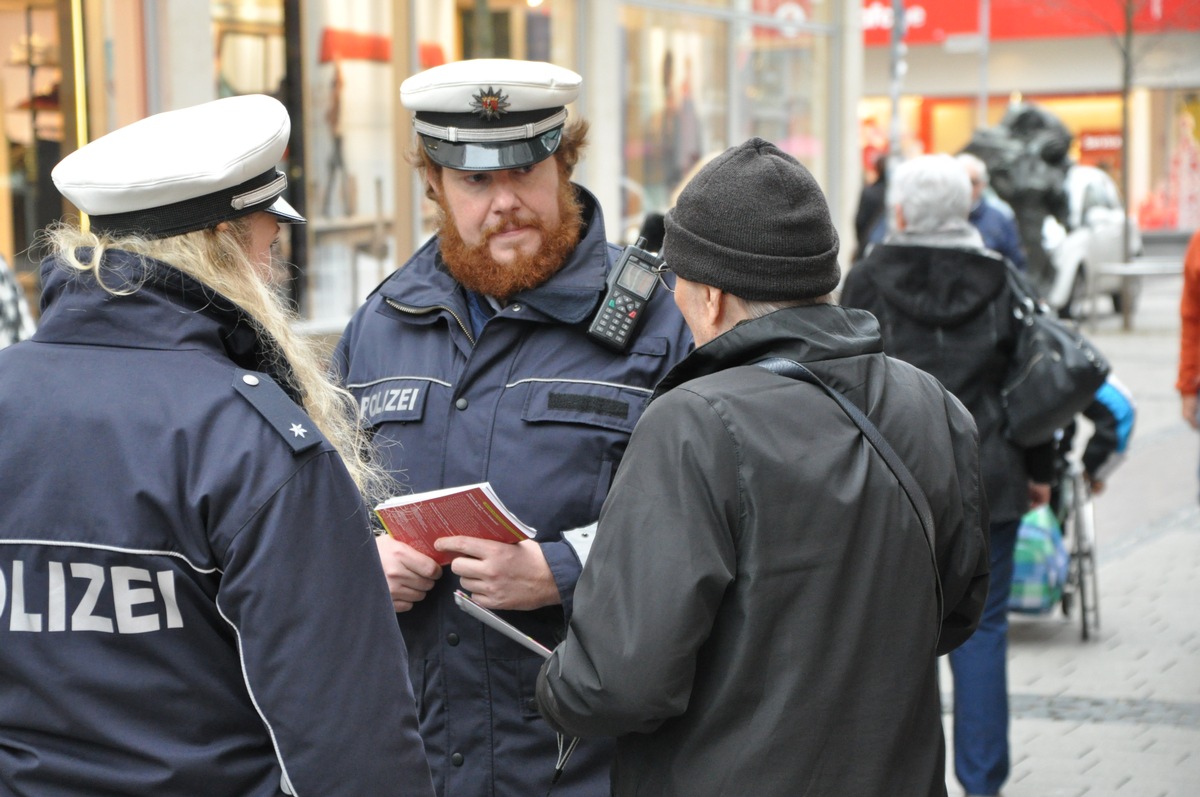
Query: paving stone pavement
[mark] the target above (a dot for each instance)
(1119, 714)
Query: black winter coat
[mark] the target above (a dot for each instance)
(758, 615)
(950, 312)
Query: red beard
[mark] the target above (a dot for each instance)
(476, 269)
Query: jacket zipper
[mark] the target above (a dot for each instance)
(422, 311)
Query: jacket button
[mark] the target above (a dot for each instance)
(250, 379)
(457, 759)
(452, 639)
(461, 404)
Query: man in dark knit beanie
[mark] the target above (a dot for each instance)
(754, 223)
(762, 602)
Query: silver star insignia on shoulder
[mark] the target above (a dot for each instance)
(298, 430)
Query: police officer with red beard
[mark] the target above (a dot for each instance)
(472, 363)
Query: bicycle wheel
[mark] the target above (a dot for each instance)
(1083, 560)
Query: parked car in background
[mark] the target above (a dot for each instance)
(1093, 238)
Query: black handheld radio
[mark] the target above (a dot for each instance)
(631, 283)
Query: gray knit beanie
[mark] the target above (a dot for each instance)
(754, 223)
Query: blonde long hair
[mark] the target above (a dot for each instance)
(219, 259)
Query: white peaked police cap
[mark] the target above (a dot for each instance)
(490, 113)
(185, 170)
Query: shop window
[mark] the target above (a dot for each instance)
(249, 56)
(350, 96)
(675, 84)
(696, 84)
(781, 92)
(33, 128)
(499, 29)
(354, 153)
(485, 33)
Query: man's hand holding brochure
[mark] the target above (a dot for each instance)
(470, 530)
(473, 510)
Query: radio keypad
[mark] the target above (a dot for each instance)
(619, 313)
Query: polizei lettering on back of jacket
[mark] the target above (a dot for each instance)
(79, 596)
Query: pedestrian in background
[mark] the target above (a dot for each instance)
(944, 304)
(761, 613)
(16, 322)
(870, 219)
(1188, 383)
(474, 364)
(990, 215)
(1113, 414)
(193, 601)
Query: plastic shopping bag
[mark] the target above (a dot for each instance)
(1039, 563)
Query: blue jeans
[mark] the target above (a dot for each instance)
(980, 671)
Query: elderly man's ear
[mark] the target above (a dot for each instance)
(708, 311)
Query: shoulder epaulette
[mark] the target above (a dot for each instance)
(293, 425)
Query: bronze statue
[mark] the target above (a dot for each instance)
(1027, 157)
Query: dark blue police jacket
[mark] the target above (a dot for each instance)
(540, 410)
(190, 601)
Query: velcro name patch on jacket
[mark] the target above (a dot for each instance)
(599, 405)
(293, 425)
(593, 403)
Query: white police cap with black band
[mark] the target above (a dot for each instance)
(490, 113)
(185, 170)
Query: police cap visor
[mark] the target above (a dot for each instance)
(492, 156)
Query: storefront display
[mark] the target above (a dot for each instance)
(1066, 57)
(665, 90)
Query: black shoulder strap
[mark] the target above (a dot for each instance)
(916, 496)
(1025, 298)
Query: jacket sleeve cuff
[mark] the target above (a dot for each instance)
(565, 567)
(1039, 463)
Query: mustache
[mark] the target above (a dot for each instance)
(512, 220)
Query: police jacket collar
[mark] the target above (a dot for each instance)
(568, 297)
(806, 334)
(167, 309)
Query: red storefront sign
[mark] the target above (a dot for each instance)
(789, 14)
(1100, 148)
(933, 21)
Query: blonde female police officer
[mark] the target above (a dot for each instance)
(190, 601)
